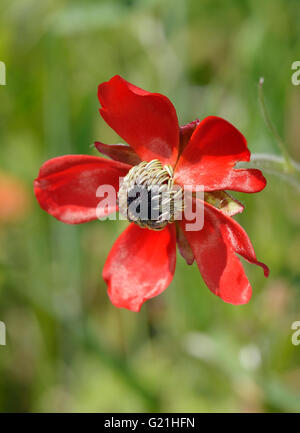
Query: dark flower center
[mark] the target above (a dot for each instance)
(148, 196)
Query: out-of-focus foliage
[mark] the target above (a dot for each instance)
(68, 348)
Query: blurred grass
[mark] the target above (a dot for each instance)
(68, 348)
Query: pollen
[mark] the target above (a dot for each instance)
(148, 196)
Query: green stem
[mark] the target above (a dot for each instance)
(288, 166)
(276, 165)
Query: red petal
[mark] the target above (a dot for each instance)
(140, 265)
(209, 159)
(214, 248)
(118, 152)
(66, 186)
(147, 121)
(186, 132)
(183, 246)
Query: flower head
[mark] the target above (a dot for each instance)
(150, 184)
(161, 161)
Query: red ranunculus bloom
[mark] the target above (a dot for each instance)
(142, 261)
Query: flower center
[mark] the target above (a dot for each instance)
(149, 197)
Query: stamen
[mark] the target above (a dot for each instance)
(149, 197)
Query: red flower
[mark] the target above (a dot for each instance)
(142, 261)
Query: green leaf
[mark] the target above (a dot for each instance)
(224, 202)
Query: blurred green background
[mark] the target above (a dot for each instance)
(68, 348)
